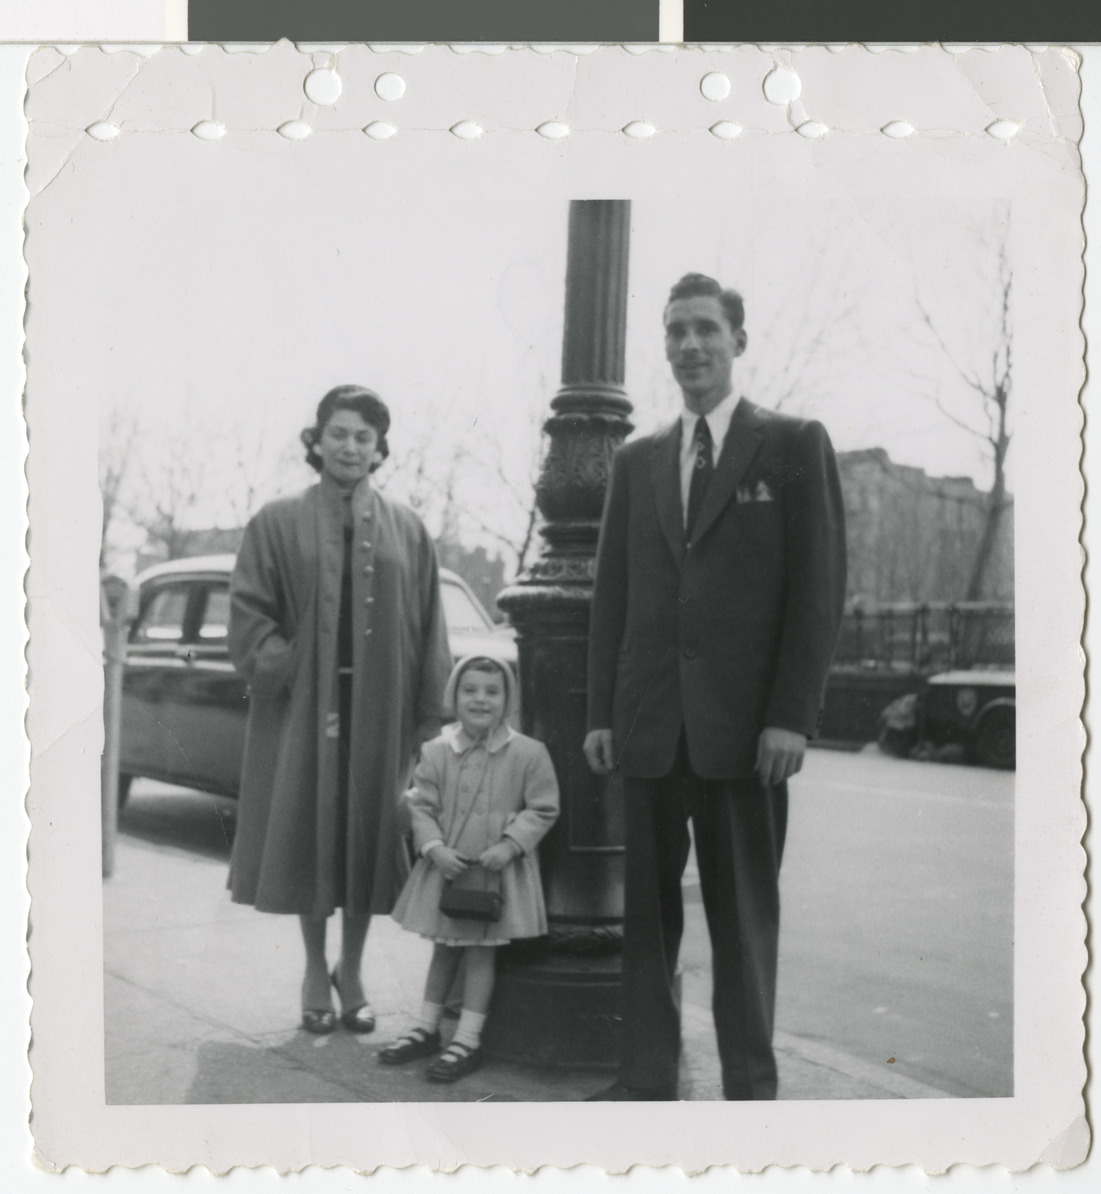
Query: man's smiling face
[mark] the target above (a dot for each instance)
(701, 346)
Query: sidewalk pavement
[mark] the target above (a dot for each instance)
(201, 998)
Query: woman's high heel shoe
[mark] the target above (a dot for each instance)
(319, 1021)
(356, 1019)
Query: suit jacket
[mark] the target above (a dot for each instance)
(735, 632)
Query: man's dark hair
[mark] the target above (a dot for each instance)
(366, 403)
(697, 285)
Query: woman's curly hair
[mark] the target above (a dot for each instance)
(366, 403)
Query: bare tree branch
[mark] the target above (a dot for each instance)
(958, 422)
(116, 456)
(994, 391)
(969, 379)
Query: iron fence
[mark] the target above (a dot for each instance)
(928, 637)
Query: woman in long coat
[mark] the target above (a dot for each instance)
(337, 624)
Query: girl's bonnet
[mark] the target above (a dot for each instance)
(467, 662)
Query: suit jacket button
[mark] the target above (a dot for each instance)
(689, 652)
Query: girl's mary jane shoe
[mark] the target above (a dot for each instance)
(455, 1062)
(410, 1046)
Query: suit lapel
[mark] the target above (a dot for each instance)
(743, 438)
(665, 473)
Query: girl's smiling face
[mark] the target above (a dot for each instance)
(480, 700)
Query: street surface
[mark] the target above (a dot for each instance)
(897, 919)
(896, 971)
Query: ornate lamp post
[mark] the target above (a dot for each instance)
(556, 1000)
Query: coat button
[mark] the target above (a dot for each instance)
(365, 544)
(689, 652)
(368, 570)
(367, 632)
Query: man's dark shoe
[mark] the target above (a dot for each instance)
(620, 1092)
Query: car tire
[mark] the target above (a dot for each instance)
(124, 789)
(898, 742)
(996, 741)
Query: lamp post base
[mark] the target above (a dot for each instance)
(555, 1010)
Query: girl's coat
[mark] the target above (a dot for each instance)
(470, 794)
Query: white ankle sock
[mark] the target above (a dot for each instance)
(429, 1018)
(469, 1031)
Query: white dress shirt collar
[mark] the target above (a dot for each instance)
(718, 422)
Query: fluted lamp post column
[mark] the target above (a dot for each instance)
(556, 999)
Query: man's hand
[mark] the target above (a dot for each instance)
(497, 857)
(598, 751)
(449, 861)
(779, 754)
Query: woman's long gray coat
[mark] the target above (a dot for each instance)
(285, 602)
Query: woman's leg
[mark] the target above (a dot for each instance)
(348, 977)
(315, 986)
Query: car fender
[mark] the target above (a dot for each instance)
(990, 706)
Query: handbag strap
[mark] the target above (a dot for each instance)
(466, 816)
(493, 877)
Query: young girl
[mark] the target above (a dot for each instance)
(482, 794)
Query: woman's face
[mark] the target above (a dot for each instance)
(348, 447)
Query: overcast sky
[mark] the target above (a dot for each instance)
(239, 290)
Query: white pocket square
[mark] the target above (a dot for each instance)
(758, 493)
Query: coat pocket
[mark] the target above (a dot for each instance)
(275, 665)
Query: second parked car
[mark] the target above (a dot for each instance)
(975, 710)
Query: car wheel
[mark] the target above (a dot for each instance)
(124, 789)
(996, 743)
(896, 741)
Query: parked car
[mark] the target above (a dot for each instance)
(183, 703)
(973, 709)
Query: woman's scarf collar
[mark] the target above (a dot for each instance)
(363, 499)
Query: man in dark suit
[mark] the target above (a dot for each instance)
(720, 582)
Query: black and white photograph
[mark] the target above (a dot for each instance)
(565, 571)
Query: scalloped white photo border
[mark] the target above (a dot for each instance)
(1002, 128)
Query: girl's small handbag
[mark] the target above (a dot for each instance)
(474, 895)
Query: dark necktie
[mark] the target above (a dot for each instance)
(702, 468)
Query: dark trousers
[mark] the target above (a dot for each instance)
(738, 828)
